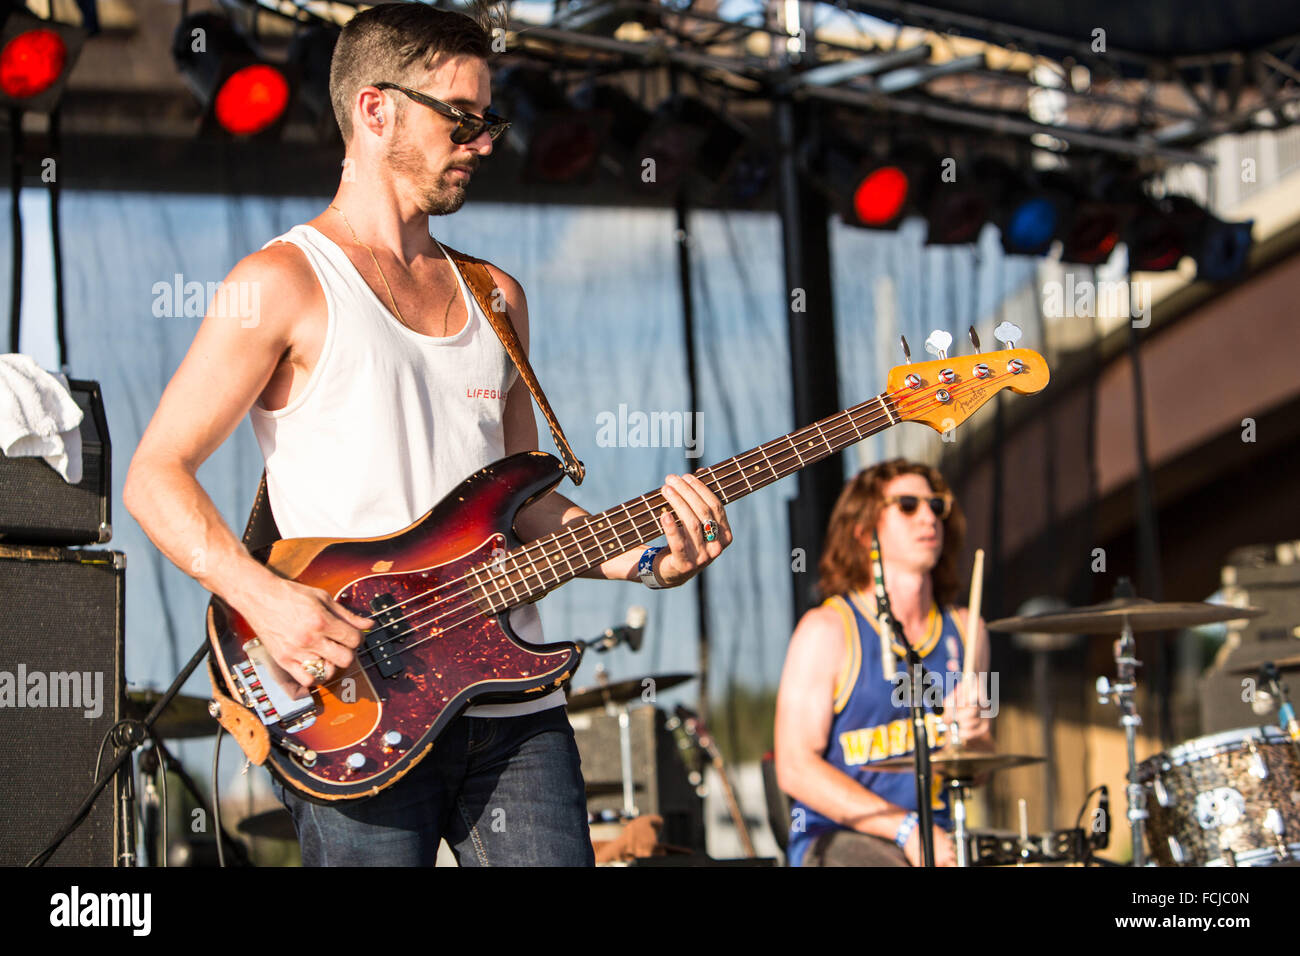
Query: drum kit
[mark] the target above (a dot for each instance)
(1225, 799)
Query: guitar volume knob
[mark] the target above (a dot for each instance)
(356, 760)
(392, 739)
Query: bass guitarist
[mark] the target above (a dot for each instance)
(375, 384)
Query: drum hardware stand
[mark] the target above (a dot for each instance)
(1122, 693)
(958, 788)
(620, 711)
(630, 634)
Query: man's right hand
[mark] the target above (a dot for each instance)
(945, 854)
(298, 623)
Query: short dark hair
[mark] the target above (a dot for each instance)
(397, 41)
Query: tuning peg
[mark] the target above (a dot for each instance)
(938, 342)
(1008, 334)
(907, 352)
(974, 340)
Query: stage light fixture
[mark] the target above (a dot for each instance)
(36, 57)
(1093, 232)
(310, 52)
(560, 144)
(242, 94)
(956, 211)
(1033, 213)
(876, 193)
(1166, 230)
(1155, 243)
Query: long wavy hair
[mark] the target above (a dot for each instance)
(846, 563)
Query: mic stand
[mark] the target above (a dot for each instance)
(129, 735)
(915, 680)
(921, 743)
(1286, 717)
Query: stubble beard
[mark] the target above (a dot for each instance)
(439, 198)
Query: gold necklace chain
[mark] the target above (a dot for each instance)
(384, 278)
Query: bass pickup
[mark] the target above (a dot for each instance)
(383, 641)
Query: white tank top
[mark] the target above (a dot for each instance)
(388, 423)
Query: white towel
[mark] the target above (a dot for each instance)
(38, 416)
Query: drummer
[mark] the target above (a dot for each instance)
(841, 705)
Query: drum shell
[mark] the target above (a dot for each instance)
(1219, 800)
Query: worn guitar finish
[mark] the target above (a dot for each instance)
(440, 590)
(479, 659)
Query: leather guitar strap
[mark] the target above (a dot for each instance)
(479, 280)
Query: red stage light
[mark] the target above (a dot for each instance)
(31, 63)
(251, 99)
(880, 196)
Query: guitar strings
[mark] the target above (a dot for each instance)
(726, 484)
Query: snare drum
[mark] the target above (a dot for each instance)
(1226, 799)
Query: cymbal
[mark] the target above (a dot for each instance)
(957, 763)
(1109, 617)
(272, 824)
(184, 717)
(624, 690)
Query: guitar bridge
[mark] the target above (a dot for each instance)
(263, 694)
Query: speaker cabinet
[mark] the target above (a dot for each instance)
(61, 688)
(38, 507)
(1268, 577)
(659, 776)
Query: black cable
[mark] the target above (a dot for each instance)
(16, 226)
(56, 242)
(216, 798)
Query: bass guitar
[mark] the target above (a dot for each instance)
(440, 590)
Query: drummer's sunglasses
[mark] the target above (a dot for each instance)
(468, 126)
(940, 504)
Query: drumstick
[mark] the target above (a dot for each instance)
(973, 612)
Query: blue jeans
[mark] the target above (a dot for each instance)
(502, 791)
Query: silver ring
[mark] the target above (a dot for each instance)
(315, 667)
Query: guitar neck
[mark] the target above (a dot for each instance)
(526, 574)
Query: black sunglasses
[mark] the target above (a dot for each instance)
(468, 126)
(940, 504)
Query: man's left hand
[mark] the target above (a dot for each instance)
(693, 504)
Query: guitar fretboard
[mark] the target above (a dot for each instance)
(529, 572)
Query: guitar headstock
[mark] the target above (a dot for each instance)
(945, 392)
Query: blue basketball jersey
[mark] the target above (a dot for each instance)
(872, 720)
